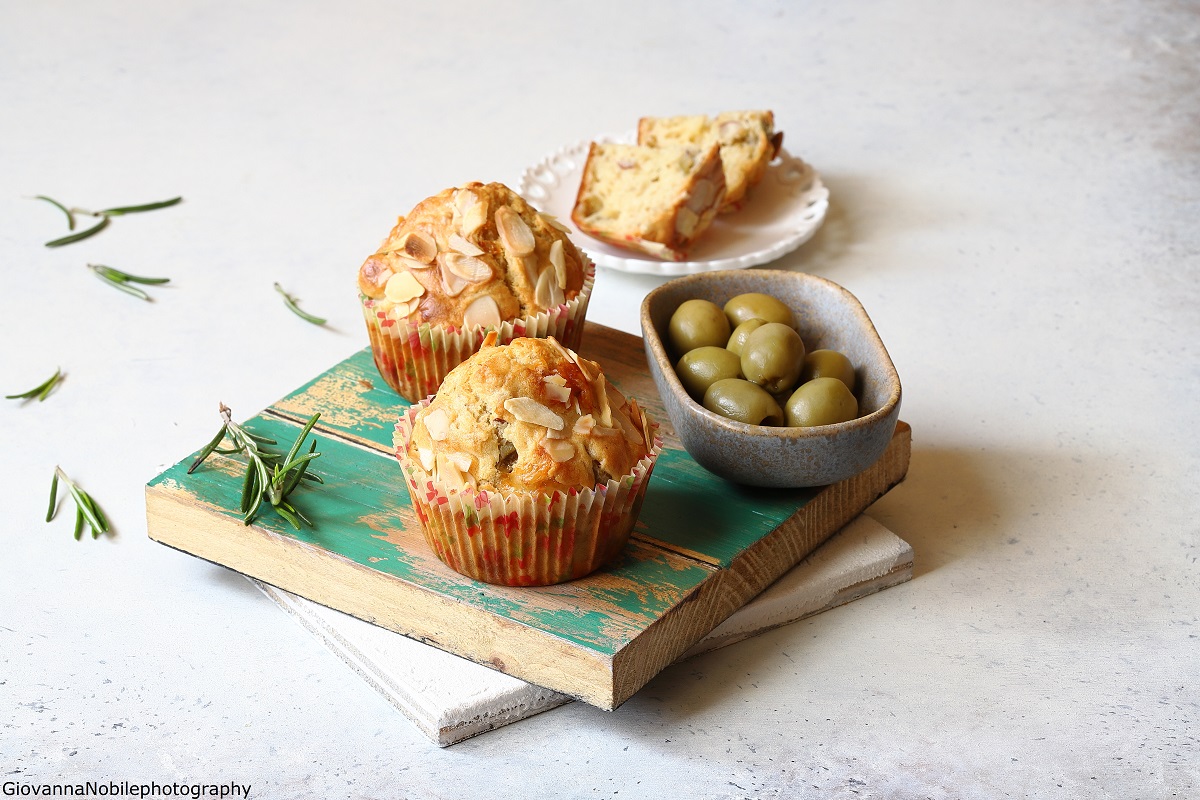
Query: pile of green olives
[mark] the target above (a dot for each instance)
(747, 362)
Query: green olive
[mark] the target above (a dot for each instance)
(773, 356)
(821, 401)
(738, 338)
(828, 364)
(697, 323)
(700, 368)
(743, 401)
(757, 305)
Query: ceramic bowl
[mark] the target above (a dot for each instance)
(828, 317)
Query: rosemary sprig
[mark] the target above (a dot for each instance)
(42, 390)
(291, 303)
(269, 476)
(60, 207)
(121, 280)
(86, 509)
(105, 215)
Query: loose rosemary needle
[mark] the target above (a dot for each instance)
(121, 280)
(269, 476)
(291, 303)
(42, 390)
(60, 207)
(75, 237)
(86, 509)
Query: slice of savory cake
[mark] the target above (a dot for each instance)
(657, 200)
(748, 143)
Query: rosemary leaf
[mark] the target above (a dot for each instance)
(53, 496)
(208, 449)
(60, 207)
(291, 304)
(249, 484)
(75, 237)
(78, 523)
(102, 273)
(119, 210)
(125, 277)
(286, 511)
(41, 391)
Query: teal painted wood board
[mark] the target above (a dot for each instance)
(702, 547)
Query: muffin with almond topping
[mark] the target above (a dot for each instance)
(528, 467)
(463, 262)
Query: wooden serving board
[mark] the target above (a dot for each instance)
(702, 547)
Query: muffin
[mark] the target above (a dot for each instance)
(463, 262)
(748, 142)
(657, 200)
(528, 467)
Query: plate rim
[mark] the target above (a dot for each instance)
(535, 190)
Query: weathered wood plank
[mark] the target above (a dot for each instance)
(703, 547)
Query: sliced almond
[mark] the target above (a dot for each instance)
(402, 287)
(602, 401)
(547, 293)
(553, 434)
(514, 233)
(373, 275)
(412, 263)
(559, 450)
(469, 268)
(452, 283)
(583, 426)
(702, 195)
(615, 398)
(553, 222)
(460, 244)
(559, 262)
(404, 310)
(483, 312)
(418, 246)
(686, 221)
(448, 472)
(472, 211)
(587, 368)
(461, 460)
(526, 409)
(632, 434)
(437, 424)
(425, 456)
(557, 391)
(464, 199)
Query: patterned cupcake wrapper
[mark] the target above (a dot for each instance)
(523, 538)
(414, 358)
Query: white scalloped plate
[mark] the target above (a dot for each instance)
(781, 213)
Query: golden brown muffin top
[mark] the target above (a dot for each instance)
(473, 255)
(529, 416)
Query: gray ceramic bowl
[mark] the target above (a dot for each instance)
(828, 317)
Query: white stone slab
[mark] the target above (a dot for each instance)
(450, 699)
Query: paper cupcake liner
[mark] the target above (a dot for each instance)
(414, 358)
(523, 538)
